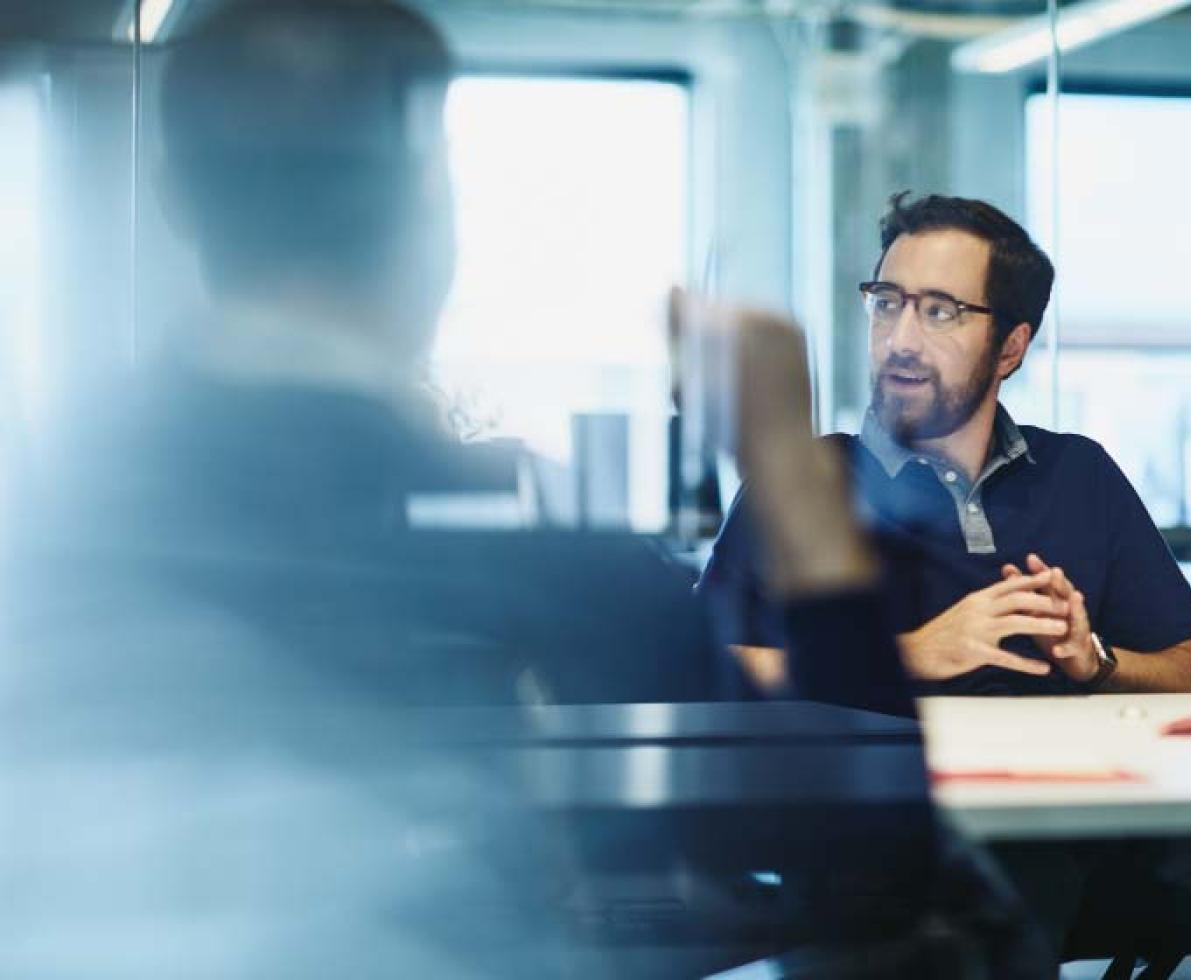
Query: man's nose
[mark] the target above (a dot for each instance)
(905, 336)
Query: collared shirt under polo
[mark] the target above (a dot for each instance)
(1008, 445)
(943, 537)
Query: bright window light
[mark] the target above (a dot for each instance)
(1125, 349)
(571, 199)
(1122, 197)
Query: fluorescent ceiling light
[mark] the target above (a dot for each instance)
(153, 15)
(1079, 24)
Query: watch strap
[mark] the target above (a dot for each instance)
(1108, 664)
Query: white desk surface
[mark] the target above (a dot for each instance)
(1057, 752)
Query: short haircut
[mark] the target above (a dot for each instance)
(295, 130)
(1019, 278)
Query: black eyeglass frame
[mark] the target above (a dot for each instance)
(869, 288)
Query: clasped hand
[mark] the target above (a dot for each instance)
(1073, 651)
(967, 636)
(1040, 603)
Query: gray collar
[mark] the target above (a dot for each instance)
(1008, 443)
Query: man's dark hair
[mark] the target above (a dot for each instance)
(295, 130)
(1019, 278)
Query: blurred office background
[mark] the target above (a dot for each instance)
(604, 149)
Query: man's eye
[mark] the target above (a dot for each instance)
(886, 304)
(939, 311)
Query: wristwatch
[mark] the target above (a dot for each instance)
(1107, 661)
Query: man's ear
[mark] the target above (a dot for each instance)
(1013, 350)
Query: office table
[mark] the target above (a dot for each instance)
(644, 791)
(1065, 767)
(669, 757)
(690, 838)
(1020, 768)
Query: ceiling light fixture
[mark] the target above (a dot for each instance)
(1078, 24)
(153, 16)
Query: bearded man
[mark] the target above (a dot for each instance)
(1018, 560)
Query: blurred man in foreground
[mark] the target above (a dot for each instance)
(231, 661)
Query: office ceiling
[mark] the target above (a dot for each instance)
(95, 20)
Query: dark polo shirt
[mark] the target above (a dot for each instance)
(942, 537)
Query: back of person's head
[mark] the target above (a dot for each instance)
(304, 143)
(1019, 277)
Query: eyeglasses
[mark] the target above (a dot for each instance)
(936, 311)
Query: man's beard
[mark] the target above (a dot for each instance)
(947, 410)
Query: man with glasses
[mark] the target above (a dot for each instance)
(1017, 560)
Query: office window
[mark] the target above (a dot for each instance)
(571, 198)
(1125, 352)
